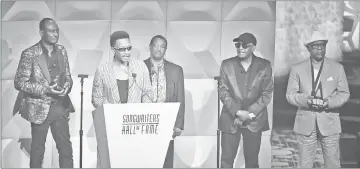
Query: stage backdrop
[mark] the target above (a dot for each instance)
(199, 37)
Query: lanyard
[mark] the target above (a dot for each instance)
(314, 83)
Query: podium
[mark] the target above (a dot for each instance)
(134, 135)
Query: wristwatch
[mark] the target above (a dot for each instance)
(252, 116)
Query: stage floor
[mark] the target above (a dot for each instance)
(285, 150)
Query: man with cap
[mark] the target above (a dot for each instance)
(318, 87)
(245, 87)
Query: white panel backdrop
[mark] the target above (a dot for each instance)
(199, 34)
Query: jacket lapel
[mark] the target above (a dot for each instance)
(61, 60)
(324, 72)
(169, 83)
(113, 84)
(43, 65)
(148, 65)
(236, 68)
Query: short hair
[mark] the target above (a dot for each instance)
(118, 35)
(158, 37)
(43, 21)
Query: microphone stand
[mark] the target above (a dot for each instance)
(82, 76)
(217, 78)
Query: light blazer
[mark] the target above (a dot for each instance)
(174, 88)
(105, 89)
(335, 89)
(31, 78)
(259, 95)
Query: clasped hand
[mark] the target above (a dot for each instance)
(317, 104)
(53, 91)
(243, 115)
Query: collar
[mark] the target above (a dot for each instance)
(252, 60)
(43, 48)
(160, 64)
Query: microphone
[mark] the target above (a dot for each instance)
(134, 76)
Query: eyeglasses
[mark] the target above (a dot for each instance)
(123, 49)
(317, 46)
(244, 46)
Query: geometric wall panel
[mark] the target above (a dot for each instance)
(82, 10)
(82, 37)
(200, 152)
(196, 47)
(27, 10)
(138, 10)
(248, 10)
(200, 107)
(85, 34)
(16, 37)
(194, 11)
(140, 37)
(16, 153)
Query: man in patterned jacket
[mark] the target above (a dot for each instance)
(44, 81)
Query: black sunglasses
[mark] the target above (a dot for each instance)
(123, 49)
(244, 46)
(317, 46)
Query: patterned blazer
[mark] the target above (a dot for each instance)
(32, 77)
(105, 89)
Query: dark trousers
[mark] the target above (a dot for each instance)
(357, 149)
(230, 144)
(58, 122)
(169, 159)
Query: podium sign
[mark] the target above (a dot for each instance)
(134, 135)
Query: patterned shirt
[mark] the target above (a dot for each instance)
(158, 82)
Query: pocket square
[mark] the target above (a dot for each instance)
(330, 78)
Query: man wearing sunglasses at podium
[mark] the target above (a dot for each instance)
(318, 87)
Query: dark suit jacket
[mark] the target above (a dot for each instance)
(335, 89)
(174, 88)
(260, 90)
(31, 77)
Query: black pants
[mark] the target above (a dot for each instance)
(57, 120)
(169, 159)
(230, 144)
(357, 149)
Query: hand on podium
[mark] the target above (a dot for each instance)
(177, 132)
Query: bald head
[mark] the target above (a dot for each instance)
(49, 31)
(44, 21)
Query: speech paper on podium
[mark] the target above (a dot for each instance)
(138, 134)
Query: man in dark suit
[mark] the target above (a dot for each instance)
(318, 87)
(44, 81)
(246, 87)
(167, 81)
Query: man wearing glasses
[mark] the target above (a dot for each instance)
(44, 81)
(120, 80)
(246, 87)
(318, 87)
